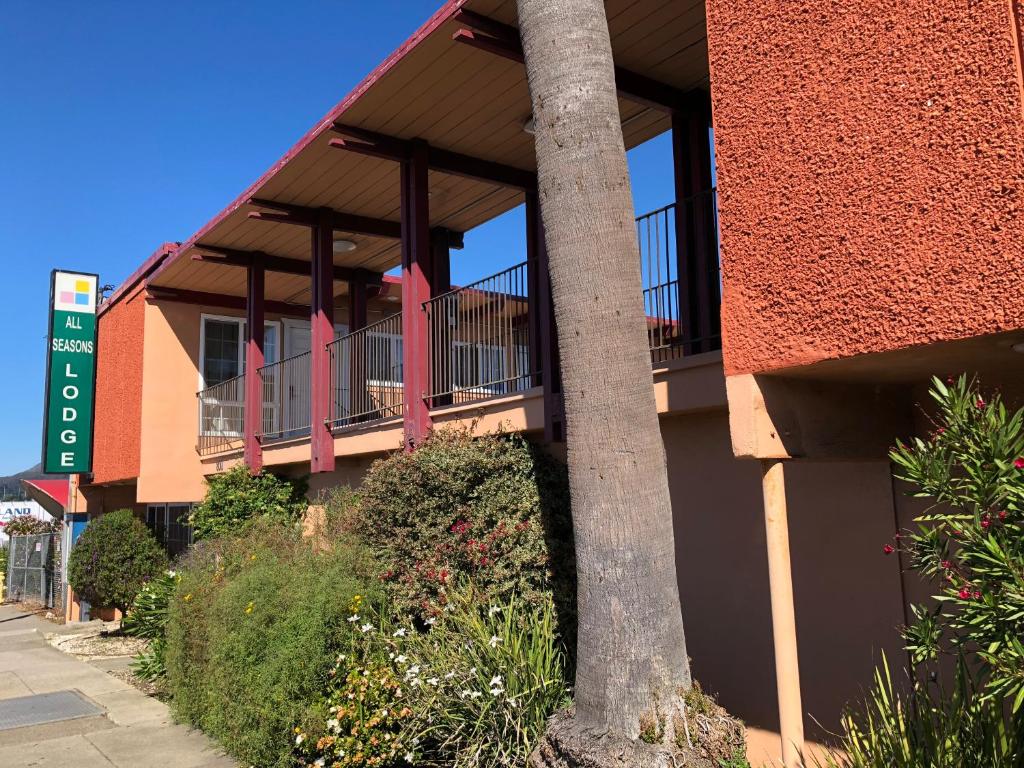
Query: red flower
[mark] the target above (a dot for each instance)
(946, 564)
(1019, 462)
(986, 522)
(483, 561)
(888, 549)
(977, 594)
(1002, 515)
(980, 403)
(965, 593)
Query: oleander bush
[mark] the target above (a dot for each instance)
(113, 558)
(236, 497)
(27, 525)
(969, 545)
(493, 509)
(255, 624)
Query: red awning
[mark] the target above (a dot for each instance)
(51, 495)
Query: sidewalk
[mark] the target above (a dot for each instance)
(135, 730)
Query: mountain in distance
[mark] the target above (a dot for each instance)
(10, 486)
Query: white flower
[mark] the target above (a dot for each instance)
(496, 691)
(475, 695)
(400, 632)
(354, 618)
(401, 658)
(493, 610)
(366, 627)
(449, 676)
(320, 762)
(432, 681)
(464, 694)
(431, 621)
(493, 642)
(496, 681)
(414, 669)
(409, 757)
(472, 670)
(334, 725)
(300, 738)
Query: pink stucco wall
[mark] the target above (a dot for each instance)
(870, 163)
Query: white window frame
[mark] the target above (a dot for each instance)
(240, 322)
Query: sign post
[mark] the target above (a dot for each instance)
(70, 373)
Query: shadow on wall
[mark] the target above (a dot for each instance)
(848, 594)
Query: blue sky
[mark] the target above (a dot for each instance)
(129, 124)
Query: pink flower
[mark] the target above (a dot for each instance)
(1002, 515)
(965, 593)
(1019, 462)
(980, 403)
(977, 594)
(888, 549)
(946, 564)
(986, 522)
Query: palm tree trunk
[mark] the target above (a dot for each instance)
(632, 659)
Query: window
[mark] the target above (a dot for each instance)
(222, 348)
(169, 524)
(384, 358)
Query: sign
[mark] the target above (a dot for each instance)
(70, 373)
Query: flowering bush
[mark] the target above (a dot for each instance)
(493, 508)
(26, 525)
(970, 546)
(475, 689)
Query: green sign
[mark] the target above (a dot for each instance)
(70, 373)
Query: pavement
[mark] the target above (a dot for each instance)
(133, 730)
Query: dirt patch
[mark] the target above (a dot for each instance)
(100, 643)
(149, 688)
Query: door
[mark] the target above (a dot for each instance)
(295, 378)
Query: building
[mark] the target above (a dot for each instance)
(864, 234)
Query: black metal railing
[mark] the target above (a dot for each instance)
(221, 415)
(286, 398)
(366, 374)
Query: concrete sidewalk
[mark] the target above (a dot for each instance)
(135, 730)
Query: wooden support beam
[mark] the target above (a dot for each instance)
(237, 258)
(221, 301)
(416, 278)
(254, 360)
(321, 322)
(287, 213)
(501, 39)
(375, 144)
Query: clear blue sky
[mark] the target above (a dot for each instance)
(129, 124)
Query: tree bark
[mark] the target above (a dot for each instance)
(631, 649)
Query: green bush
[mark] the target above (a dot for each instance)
(476, 689)
(147, 619)
(969, 545)
(3, 559)
(27, 525)
(494, 509)
(113, 558)
(256, 622)
(236, 497)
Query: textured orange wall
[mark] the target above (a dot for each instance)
(119, 391)
(871, 175)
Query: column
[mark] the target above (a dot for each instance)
(254, 360)
(321, 321)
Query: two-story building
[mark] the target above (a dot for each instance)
(863, 232)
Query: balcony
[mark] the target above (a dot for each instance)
(481, 342)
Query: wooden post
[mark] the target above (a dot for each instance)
(416, 278)
(696, 233)
(254, 360)
(357, 352)
(321, 321)
(544, 358)
(780, 577)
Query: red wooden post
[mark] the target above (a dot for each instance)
(417, 272)
(696, 235)
(543, 327)
(321, 320)
(356, 305)
(253, 410)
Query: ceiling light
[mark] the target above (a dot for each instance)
(341, 245)
(529, 126)
(1018, 347)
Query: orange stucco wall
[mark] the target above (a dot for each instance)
(870, 162)
(119, 391)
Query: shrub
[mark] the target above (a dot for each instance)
(475, 690)
(494, 509)
(256, 622)
(147, 619)
(26, 525)
(113, 558)
(236, 497)
(969, 546)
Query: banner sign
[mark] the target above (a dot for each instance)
(70, 373)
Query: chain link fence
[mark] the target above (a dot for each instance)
(32, 569)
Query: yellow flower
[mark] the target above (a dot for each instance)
(249, 607)
(188, 597)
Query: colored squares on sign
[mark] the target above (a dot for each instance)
(81, 286)
(67, 297)
(82, 298)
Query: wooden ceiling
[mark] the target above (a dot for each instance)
(454, 96)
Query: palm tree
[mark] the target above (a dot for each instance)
(632, 662)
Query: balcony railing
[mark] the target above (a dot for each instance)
(366, 374)
(221, 415)
(479, 339)
(668, 331)
(286, 398)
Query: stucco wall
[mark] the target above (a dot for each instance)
(870, 162)
(116, 437)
